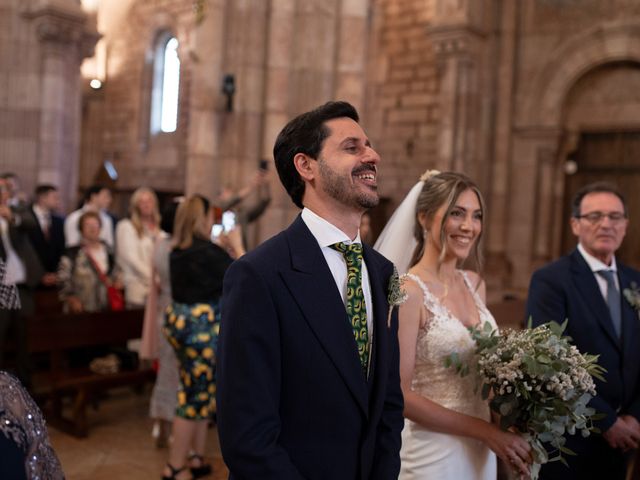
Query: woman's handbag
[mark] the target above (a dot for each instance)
(114, 296)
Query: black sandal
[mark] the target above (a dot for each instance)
(203, 470)
(174, 472)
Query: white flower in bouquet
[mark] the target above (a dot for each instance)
(538, 383)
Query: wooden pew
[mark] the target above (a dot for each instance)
(56, 334)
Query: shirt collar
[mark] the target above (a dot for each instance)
(40, 212)
(594, 264)
(325, 232)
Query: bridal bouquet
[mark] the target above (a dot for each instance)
(538, 383)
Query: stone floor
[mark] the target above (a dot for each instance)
(119, 445)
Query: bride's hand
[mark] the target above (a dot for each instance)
(514, 450)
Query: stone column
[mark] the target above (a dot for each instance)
(281, 45)
(65, 39)
(206, 116)
(497, 263)
(535, 205)
(351, 50)
(459, 43)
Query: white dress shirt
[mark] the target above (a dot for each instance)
(44, 218)
(596, 265)
(327, 234)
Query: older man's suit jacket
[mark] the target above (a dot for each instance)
(567, 289)
(293, 401)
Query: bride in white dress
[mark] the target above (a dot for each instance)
(448, 433)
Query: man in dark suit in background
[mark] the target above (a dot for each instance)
(46, 231)
(308, 377)
(23, 268)
(586, 287)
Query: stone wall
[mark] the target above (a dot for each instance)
(118, 115)
(560, 45)
(41, 46)
(403, 111)
(498, 89)
(285, 56)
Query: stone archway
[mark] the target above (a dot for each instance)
(602, 110)
(541, 140)
(542, 103)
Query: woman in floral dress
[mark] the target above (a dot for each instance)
(197, 267)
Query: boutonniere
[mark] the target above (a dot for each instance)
(632, 294)
(396, 295)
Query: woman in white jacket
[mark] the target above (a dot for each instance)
(135, 237)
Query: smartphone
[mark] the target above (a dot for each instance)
(216, 230)
(228, 221)
(263, 164)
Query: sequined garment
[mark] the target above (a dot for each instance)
(22, 422)
(426, 454)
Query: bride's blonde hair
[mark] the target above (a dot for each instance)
(443, 189)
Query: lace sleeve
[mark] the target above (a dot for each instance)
(22, 422)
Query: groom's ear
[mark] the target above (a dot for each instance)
(305, 166)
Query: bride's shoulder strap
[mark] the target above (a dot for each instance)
(471, 279)
(419, 282)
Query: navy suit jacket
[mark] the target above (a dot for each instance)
(567, 289)
(51, 249)
(293, 402)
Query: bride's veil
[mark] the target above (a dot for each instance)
(396, 242)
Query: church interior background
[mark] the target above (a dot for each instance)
(531, 98)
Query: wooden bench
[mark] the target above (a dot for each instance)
(56, 334)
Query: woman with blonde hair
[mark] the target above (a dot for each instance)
(135, 237)
(197, 267)
(448, 433)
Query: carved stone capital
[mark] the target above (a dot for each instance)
(63, 25)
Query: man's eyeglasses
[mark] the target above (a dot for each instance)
(596, 217)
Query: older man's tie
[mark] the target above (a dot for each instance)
(356, 308)
(613, 299)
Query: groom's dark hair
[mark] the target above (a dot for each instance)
(306, 134)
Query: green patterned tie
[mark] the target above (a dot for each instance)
(356, 308)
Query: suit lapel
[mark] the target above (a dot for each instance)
(38, 234)
(380, 312)
(314, 290)
(630, 318)
(587, 286)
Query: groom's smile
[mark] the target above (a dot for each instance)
(348, 165)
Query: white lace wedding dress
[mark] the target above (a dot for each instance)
(428, 455)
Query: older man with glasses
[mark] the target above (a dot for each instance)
(587, 289)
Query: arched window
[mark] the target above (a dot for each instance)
(166, 85)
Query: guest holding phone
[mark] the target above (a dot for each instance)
(197, 267)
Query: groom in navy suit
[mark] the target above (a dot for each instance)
(308, 377)
(586, 287)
